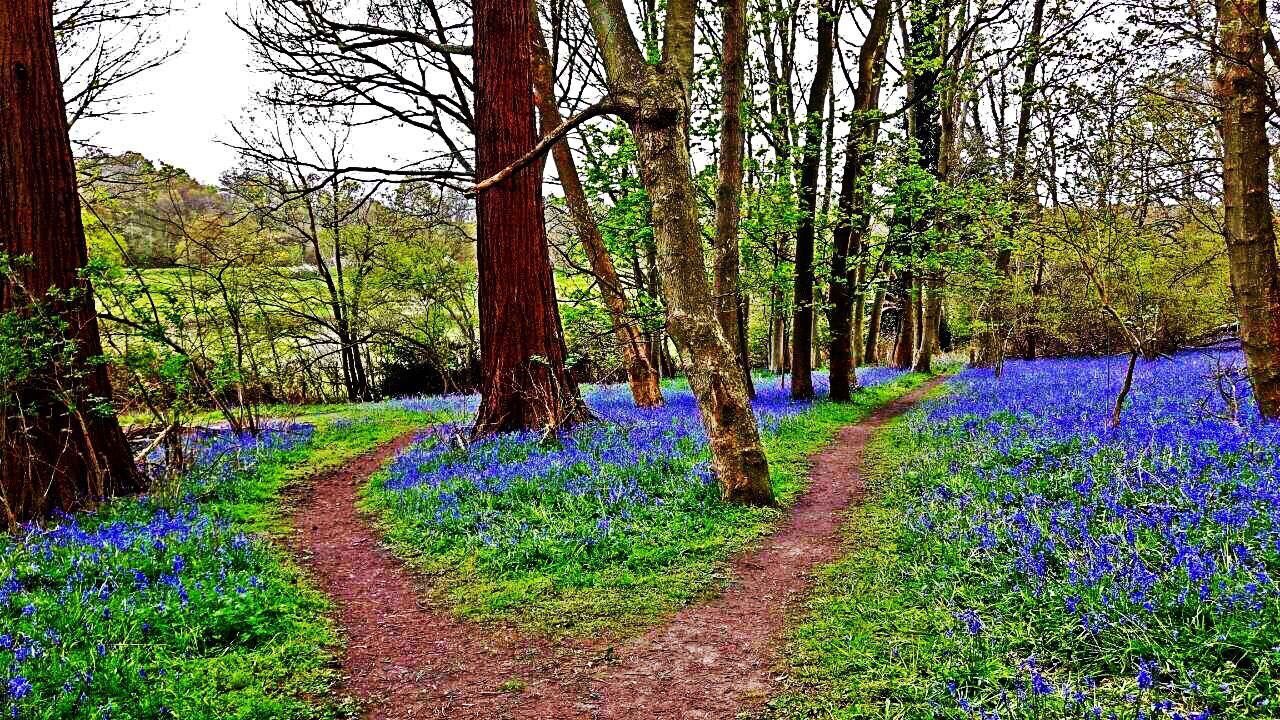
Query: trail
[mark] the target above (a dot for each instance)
(407, 658)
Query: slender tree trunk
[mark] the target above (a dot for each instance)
(60, 442)
(643, 378)
(846, 282)
(1250, 230)
(728, 294)
(654, 100)
(802, 327)
(714, 374)
(524, 383)
(859, 318)
(871, 356)
(991, 338)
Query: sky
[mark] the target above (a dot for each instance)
(181, 109)
(181, 112)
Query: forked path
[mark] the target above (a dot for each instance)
(410, 658)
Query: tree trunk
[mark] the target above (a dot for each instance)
(802, 327)
(991, 338)
(61, 446)
(1250, 232)
(643, 378)
(846, 281)
(930, 322)
(728, 294)
(738, 457)
(905, 348)
(654, 100)
(524, 383)
(871, 356)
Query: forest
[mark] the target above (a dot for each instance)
(626, 359)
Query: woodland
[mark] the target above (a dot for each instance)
(601, 359)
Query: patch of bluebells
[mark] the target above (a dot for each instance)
(456, 405)
(521, 501)
(102, 612)
(1136, 563)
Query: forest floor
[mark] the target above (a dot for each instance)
(408, 657)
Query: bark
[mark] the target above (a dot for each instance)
(990, 340)
(930, 322)
(905, 348)
(871, 355)
(802, 327)
(61, 446)
(524, 384)
(926, 131)
(714, 375)
(1249, 225)
(728, 294)
(654, 101)
(643, 378)
(846, 281)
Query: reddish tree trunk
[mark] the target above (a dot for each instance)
(642, 376)
(62, 445)
(1250, 230)
(524, 384)
(802, 334)
(904, 351)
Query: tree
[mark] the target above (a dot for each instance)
(642, 376)
(802, 331)
(522, 350)
(729, 297)
(1249, 228)
(654, 101)
(991, 341)
(60, 442)
(855, 216)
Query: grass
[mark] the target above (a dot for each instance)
(604, 533)
(179, 607)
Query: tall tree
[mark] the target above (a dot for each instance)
(522, 348)
(653, 98)
(802, 330)
(924, 69)
(60, 442)
(991, 338)
(855, 217)
(642, 376)
(729, 298)
(1249, 227)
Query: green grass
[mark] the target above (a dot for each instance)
(667, 558)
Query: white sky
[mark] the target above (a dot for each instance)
(180, 110)
(184, 106)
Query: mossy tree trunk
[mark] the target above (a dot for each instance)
(1250, 230)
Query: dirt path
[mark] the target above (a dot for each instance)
(406, 659)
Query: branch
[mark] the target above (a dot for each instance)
(609, 104)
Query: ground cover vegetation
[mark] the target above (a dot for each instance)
(179, 604)
(1026, 558)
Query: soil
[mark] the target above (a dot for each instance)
(409, 657)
